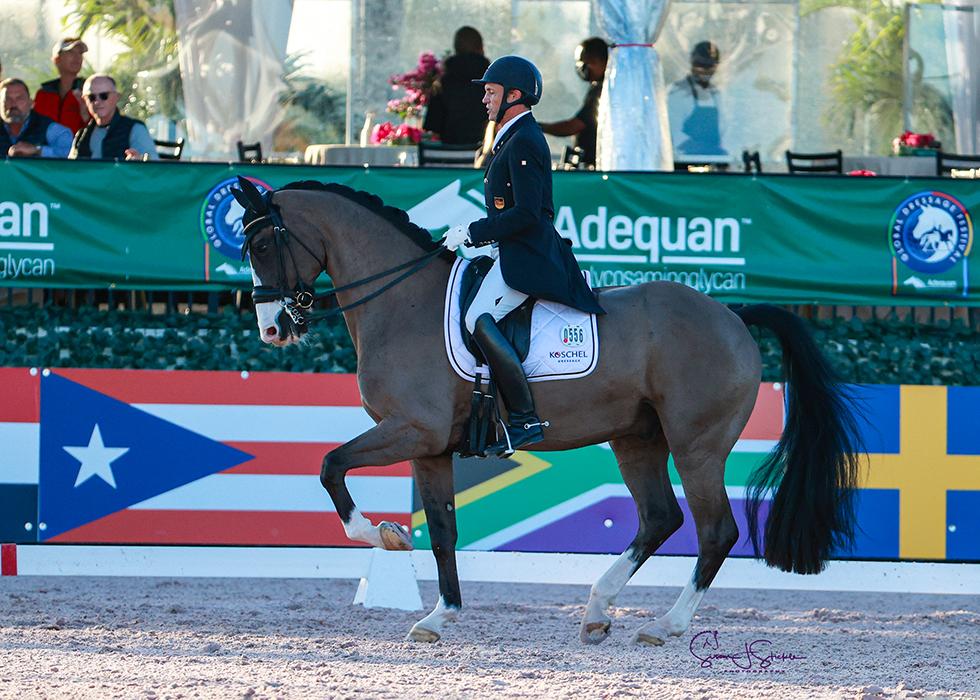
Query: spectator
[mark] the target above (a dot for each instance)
(693, 105)
(590, 64)
(110, 135)
(456, 113)
(26, 133)
(61, 98)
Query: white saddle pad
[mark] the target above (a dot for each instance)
(564, 341)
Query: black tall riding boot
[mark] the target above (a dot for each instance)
(523, 426)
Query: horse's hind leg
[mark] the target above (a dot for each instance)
(434, 478)
(704, 488)
(643, 463)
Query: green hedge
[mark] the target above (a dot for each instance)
(873, 352)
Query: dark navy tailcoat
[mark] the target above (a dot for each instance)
(534, 259)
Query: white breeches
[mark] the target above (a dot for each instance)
(494, 298)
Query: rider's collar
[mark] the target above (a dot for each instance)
(505, 127)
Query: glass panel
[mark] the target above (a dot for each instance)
(318, 64)
(547, 32)
(748, 102)
(928, 103)
(821, 41)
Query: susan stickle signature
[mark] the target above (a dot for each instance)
(757, 655)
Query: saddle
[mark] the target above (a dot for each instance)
(516, 326)
(552, 341)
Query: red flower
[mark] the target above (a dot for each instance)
(382, 132)
(863, 173)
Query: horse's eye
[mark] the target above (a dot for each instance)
(262, 248)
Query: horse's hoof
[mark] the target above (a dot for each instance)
(393, 538)
(421, 634)
(594, 632)
(653, 638)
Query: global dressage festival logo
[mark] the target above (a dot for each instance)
(221, 217)
(931, 232)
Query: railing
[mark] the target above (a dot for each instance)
(159, 302)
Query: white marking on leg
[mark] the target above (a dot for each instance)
(595, 622)
(611, 583)
(361, 529)
(679, 617)
(434, 622)
(676, 621)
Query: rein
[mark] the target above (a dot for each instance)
(298, 301)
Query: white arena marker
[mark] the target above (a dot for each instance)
(607, 522)
(244, 374)
(391, 582)
(33, 371)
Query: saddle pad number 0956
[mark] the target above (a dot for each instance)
(564, 341)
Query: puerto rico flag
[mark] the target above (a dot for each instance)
(180, 457)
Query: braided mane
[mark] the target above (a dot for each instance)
(373, 203)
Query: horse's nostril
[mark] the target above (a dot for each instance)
(270, 331)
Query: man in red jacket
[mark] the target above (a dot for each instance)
(61, 98)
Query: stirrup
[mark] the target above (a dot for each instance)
(507, 447)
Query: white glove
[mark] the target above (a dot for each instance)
(457, 236)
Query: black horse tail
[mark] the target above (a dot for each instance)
(813, 470)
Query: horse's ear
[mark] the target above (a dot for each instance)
(250, 194)
(241, 198)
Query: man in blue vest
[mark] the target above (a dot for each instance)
(532, 259)
(26, 133)
(110, 135)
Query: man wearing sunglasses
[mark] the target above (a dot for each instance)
(24, 132)
(110, 135)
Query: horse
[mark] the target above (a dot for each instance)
(679, 375)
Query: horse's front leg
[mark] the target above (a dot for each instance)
(434, 477)
(388, 442)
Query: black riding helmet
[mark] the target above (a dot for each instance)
(514, 73)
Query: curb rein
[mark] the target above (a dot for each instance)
(298, 301)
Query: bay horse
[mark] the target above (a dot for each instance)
(679, 375)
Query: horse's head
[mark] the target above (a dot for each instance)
(284, 267)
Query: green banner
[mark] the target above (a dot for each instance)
(781, 238)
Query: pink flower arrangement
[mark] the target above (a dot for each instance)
(387, 134)
(909, 141)
(417, 86)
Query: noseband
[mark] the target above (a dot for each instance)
(298, 301)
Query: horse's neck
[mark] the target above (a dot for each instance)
(362, 245)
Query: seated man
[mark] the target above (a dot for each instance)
(61, 98)
(26, 133)
(110, 135)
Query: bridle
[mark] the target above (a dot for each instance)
(298, 301)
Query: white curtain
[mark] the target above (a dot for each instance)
(962, 23)
(231, 60)
(634, 133)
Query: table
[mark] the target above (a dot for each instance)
(339, 154)
(907, 166)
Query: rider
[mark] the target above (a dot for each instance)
(531, 258)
